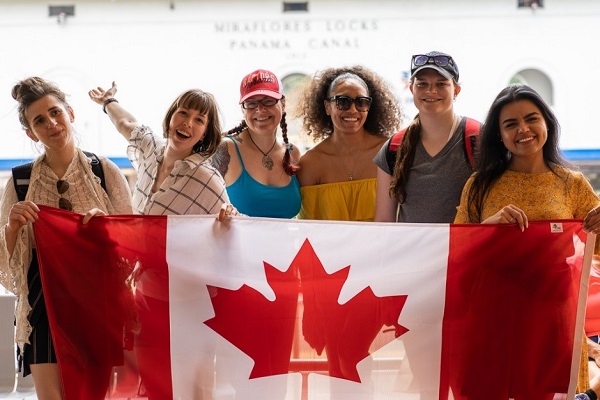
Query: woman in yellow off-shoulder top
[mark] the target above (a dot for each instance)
(351, 112)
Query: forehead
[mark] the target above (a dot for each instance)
(430, 74)
(350, 86)
(518, 108)
(42, 105)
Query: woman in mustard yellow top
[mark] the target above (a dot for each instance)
(523, 177)
(351, 112)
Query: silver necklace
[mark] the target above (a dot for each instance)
(267, 161)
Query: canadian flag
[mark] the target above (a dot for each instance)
(185, 307)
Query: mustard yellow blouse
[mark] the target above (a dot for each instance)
(339, 201)
(563, 195)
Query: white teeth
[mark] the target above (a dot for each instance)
(527, 139)
(350, 119)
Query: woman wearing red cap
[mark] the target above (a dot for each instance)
(259, 169)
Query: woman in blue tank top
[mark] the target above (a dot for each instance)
(259, 170)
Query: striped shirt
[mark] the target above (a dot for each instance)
(193, 187)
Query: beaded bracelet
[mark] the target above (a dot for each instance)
(107, 102)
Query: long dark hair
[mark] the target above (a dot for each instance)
(494, 158)
(404, 160)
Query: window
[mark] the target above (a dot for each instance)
(538, 81)
(293, 6)
(530, 4)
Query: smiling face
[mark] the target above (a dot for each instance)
(50, 122)
(351, 120)
(186, 128)
(523, 129)
(433, 93)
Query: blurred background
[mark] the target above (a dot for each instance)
(155, 49)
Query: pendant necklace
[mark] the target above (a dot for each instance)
(350, 172)
(267, 161)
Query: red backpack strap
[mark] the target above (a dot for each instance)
(392, 150)
(472, 128)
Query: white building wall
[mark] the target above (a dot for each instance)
(157, 49)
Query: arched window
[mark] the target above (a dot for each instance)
(538, 81)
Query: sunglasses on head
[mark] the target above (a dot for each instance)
(252, 104)
(62, 186)
(343, 103)
(441, 61)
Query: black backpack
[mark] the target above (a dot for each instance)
(22, 173)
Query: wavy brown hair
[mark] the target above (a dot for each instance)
(204, 103)
(384, 116)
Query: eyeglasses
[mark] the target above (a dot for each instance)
(343, 103)
(62, 186)
(442, 61)
(266, 102)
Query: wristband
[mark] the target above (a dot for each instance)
(107, 102)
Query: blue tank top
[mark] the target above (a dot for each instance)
(255, 199)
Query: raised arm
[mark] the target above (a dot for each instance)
(121, 118)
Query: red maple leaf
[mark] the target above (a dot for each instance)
(266, 330)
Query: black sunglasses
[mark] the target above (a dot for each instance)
(252, 104)
(343, 103)
(62, 186)
(442, 61)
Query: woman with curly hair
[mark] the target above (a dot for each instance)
(350, 111)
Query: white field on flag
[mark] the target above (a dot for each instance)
(392, 259)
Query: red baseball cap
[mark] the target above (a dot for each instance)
(260, 81)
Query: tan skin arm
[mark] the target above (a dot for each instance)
(121, 118)
(386, 208)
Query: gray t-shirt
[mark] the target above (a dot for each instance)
(435, 183)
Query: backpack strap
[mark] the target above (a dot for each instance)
(97, 168)
(392, 149)
(22, 174)
(472, 128)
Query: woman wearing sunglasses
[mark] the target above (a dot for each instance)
(350, 112)
(424, 181)
(259, 169)
(61, 177)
